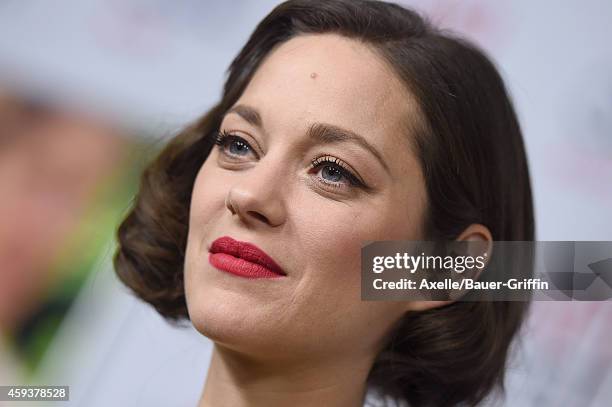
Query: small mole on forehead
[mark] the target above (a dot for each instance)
(313, 75)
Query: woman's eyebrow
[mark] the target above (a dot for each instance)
(321, 132)
(248, 113)
(329, 133)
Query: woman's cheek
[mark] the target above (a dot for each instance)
(209, 193)
(333, 242)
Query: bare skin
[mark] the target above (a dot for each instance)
(305, 339)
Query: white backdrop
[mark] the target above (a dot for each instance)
(157, 65)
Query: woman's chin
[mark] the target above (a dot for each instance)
(240, 328)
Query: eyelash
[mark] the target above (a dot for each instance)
(222, 138)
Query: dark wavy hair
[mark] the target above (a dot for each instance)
(471, 151)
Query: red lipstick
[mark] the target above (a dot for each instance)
(243, 259)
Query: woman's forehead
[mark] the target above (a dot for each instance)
(332, 79)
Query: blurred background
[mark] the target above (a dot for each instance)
(92, 89)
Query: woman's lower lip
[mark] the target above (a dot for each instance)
(240, 267)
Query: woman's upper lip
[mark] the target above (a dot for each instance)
(245, 250)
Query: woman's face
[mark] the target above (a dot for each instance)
(315, 96)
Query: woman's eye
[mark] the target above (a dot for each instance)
(233, 145)
(238, 147)
(332, 172)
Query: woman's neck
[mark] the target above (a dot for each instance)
(235, 380)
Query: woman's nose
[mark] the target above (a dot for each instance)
(258, 195)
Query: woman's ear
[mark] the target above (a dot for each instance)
(474, 232)
(484, 242)
(478, 233)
